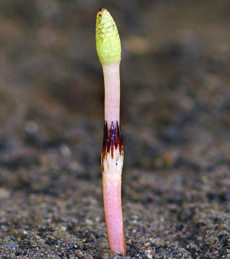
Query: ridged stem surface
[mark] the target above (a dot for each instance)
(113, 215)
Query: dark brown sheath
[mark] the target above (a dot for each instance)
(112, 140)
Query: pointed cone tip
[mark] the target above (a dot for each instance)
(108, 43)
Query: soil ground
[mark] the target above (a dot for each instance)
(175, 117)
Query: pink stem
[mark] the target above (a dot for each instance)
(113, 215)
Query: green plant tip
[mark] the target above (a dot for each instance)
(108, 42)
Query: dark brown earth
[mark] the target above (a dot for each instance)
(175, 122)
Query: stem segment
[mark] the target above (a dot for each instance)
(112, 162)
(113, 215)
(112, 92)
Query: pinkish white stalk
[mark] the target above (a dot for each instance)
(112, 163)
(113, 215)
(112, 159)
(112, 92)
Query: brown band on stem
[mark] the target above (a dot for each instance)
(112, 140)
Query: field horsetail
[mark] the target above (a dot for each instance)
(108, 47)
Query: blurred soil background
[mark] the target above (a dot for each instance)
(175, 117)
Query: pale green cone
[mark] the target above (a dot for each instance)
(108, 42)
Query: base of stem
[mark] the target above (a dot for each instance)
(113, 215)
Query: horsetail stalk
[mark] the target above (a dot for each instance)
(109, 52)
